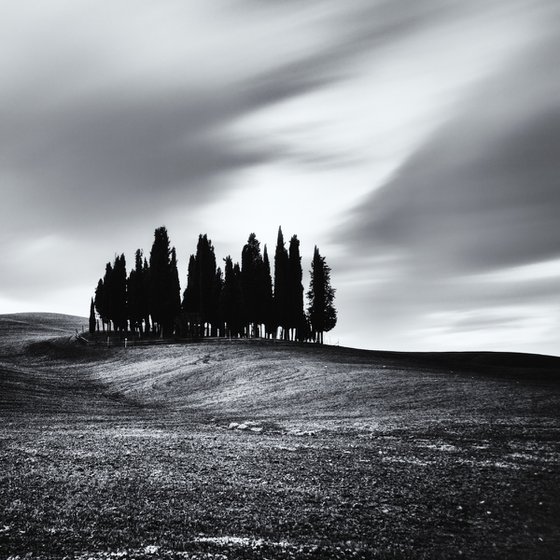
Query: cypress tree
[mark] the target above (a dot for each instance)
(162, 283)
(239, 316)
(118, 293)
(322, 313)
(207, 280)
(265, 286)
(217, 317)
(145, 302)
(190, 295)
(174, 302)
(100, 302)
(108, 295)
(251, 278)
(111, 294)
(133, 303)
(216, 320)
(201, 296)
(227, 297)
(281, 285)
(296, 316)
(136, 294)
(92, 317)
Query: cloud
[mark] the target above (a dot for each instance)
(111, 114)
(482, 193)
(474, 206)
(115, 121)
(135, 157)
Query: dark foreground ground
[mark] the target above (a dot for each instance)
(114, 453)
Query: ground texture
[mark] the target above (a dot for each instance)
(270, 450)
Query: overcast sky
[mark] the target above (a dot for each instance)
(416, 143)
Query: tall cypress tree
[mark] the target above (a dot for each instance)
(118, 293)
(174, 302)
(281, 285)
(217, 317)
(266, 295)
(111, 295)
(92, 317)
(145, 302)
(163, 287)
(322, 313)
(136, 294)
(239, 317)
(191, 302)
(296, 316)
(227, 297)
(101, 302)
(251, 278)
(108, 301)
(200, 297)
(207, 283)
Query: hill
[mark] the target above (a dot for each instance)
(275, 380)
(252, 449)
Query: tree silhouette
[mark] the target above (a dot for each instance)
(144, 286)
(217, 315)
(118, 294)
(101, 301)
(111, 295)
(237, 302)
(174, 289)
(107, 307)
(191, 303)
(162, 283)
(137, 293)
(92, 317)
(296, 316)
(227, 297)
(252, 278)
(281, 285)
(322, 313)
(265, 287)
(239, 316)
(200, 299)
(207, 285)
(108, 294)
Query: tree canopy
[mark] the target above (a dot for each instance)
(240, 301)
(321, 310)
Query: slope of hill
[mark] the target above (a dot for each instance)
(24, 327)
(280, 381)
(113, 452)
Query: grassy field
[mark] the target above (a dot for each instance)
(134, 453)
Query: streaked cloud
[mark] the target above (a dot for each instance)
(414, 142)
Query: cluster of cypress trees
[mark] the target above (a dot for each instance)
(240, 301)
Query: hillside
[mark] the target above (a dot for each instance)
(280, 381)
(107, 452)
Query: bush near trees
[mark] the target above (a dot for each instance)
(240, 301)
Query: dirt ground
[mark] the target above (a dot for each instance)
(252, 450)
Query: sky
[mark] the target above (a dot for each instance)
(417, 144)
